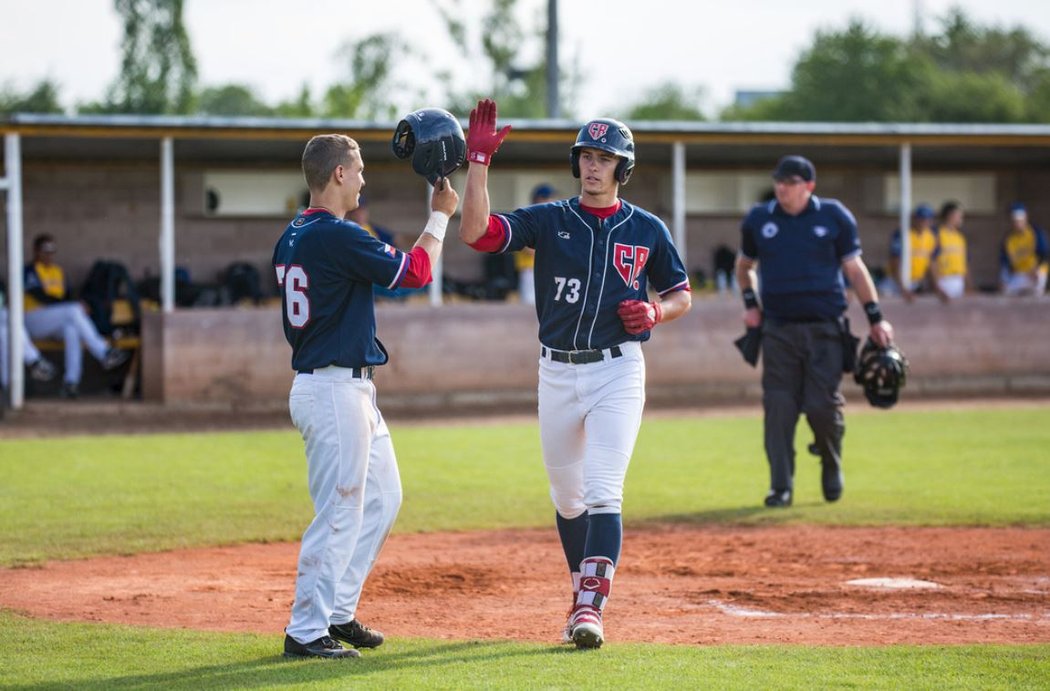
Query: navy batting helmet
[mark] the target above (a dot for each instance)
(608, 135)
(882, 372)
(434, 139)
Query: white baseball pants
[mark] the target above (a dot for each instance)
(356, 491)
(69, 322)
(590, 415)
(29, 351)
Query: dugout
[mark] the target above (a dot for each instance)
(200, 193)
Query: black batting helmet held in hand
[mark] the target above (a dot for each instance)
(434, 139)
(882, 372)
(608, 135)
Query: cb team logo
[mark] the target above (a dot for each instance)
(629, 261)
(597, 130)
(769, 230)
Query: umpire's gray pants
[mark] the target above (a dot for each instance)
(801, 373)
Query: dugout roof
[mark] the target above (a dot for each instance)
(266, 141)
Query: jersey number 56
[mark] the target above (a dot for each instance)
(294, 281)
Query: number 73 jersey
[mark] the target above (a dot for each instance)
(586, 265)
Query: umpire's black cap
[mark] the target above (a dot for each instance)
(790, 166)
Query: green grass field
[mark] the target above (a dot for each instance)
(83, 496)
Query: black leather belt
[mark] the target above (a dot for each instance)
(355, 372)
(579, 357)
(803, 320)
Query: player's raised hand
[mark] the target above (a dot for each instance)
(444, 198)
(483, 139)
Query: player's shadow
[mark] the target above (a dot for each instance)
(738, 514)
(276, 670)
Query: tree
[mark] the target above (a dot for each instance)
(366, 93)
(517, 83)
(963, 73)
(233, 100)
(42, 98)
(975, 97)
(299, 107)
(158, 72)
(963, 46)
(856, 75)
(668, 101)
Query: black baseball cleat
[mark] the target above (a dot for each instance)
(778, 498)
(42, 370)
(831, 481)
(114, 358)
(323, 647)
(356, 634)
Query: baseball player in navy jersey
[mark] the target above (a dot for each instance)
(596, 256)
(802, 245)
(326, 268)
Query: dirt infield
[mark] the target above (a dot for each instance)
(676, 584)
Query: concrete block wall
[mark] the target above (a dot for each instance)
(469, 356)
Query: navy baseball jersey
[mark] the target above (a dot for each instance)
(586, 265)
(800, 257)
(326, 268)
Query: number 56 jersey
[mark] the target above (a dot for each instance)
(586, 265)
(326, 268)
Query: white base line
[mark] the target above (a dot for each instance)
(746, 613)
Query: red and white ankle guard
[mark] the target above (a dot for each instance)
(596, 574)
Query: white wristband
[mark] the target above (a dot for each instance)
(436, 225)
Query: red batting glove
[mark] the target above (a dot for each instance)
(483, 139)
(638, 316)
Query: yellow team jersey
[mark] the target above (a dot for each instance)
(1019, 249)
(51, 279)
(524, 260)
(923, 246)
(951, 260)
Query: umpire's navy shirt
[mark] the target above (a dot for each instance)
(800, 257)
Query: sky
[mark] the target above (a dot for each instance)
(621, 48)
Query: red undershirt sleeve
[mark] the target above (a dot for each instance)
(418, 273)
(495, 236)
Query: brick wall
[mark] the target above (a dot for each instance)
(483, 355)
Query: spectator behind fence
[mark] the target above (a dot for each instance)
(724, 259)
(1023, 256)
(951, 268)
(525, 258)
(49, 313)
(923, 251)
(40, 368)
(362, 216)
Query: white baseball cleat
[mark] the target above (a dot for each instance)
(587, 630)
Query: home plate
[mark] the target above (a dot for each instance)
(894, 583)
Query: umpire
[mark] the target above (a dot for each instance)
(802, 245)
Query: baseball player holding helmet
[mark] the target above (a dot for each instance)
(596, 255)
(326, 268)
